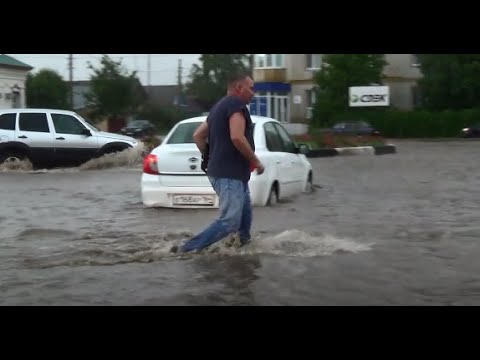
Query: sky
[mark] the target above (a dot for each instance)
(163, 67)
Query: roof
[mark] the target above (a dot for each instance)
(34, 110)
(6, 60)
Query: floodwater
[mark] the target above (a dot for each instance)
(397, 229)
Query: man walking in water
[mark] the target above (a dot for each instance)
(231, 154)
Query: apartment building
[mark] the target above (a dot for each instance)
(284, 82)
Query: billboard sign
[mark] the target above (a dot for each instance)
(369, 96)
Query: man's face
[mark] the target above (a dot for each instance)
(245, 90)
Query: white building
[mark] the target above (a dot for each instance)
(13, 75)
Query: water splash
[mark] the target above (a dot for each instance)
(17, 166)
(129, 158)
(122, 247)
(295, 243)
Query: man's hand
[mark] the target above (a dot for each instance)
(259, 167)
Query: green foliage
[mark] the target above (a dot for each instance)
(450, 81)
(325, 139)
(164, 117)
(208, 82)
(47, 89)
(413, 124)
(338, 73)
(115, 92)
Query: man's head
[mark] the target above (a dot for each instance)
(241, 85)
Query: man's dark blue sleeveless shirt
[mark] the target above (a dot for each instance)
(225, 161)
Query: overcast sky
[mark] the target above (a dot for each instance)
(163, 67)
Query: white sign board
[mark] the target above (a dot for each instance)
(297, 99)
(369, 96)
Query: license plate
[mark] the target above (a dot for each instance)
(193, 200)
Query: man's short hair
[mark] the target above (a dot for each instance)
(236, 77)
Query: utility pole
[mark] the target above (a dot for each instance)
(179, 100)
(179, 76)
(148, 69)
(70, 68)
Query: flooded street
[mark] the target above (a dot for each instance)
(398, 229)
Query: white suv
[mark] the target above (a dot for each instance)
(54, 137)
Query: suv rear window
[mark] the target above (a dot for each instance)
(33, 122)
(7, 121)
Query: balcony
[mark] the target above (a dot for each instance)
(270, 75)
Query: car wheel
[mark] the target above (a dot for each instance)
(273, 196)
(12, 156)
(309, 185)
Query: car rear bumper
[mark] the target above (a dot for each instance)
(156, 195)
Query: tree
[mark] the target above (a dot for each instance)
(338, 73)
(208, 82)
(450, 81)
(46, 89)
(115, 93)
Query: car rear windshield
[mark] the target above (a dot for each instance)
(183, 134)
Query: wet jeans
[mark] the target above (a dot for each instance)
(235, 214)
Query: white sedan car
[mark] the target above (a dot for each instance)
(172, 176)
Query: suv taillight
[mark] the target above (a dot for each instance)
(150, 165)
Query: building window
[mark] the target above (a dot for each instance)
(271, 104)
(310, 102)
(313, 61)
(269, 61)
(415, 60)
(416, 96)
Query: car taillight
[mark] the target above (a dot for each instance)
(150, 165)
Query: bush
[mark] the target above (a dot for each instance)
(326, 139)
(411, 124)
(164, 117)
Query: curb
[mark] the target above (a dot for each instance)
(385, 149)
(358, 150)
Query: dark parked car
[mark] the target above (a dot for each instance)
(138, 128)
(472, 131)
(354, 128)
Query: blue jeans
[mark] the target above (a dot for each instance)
(235, 214)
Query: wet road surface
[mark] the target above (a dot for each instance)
(397, 229)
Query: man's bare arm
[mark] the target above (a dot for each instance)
(200, 136)
(237, 135)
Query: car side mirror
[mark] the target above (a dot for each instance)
(86, 132)
(303, 149)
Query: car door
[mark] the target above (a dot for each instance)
(7, 127)
(74, 143)
(279, 158)
(34, 130)
(297, 173)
